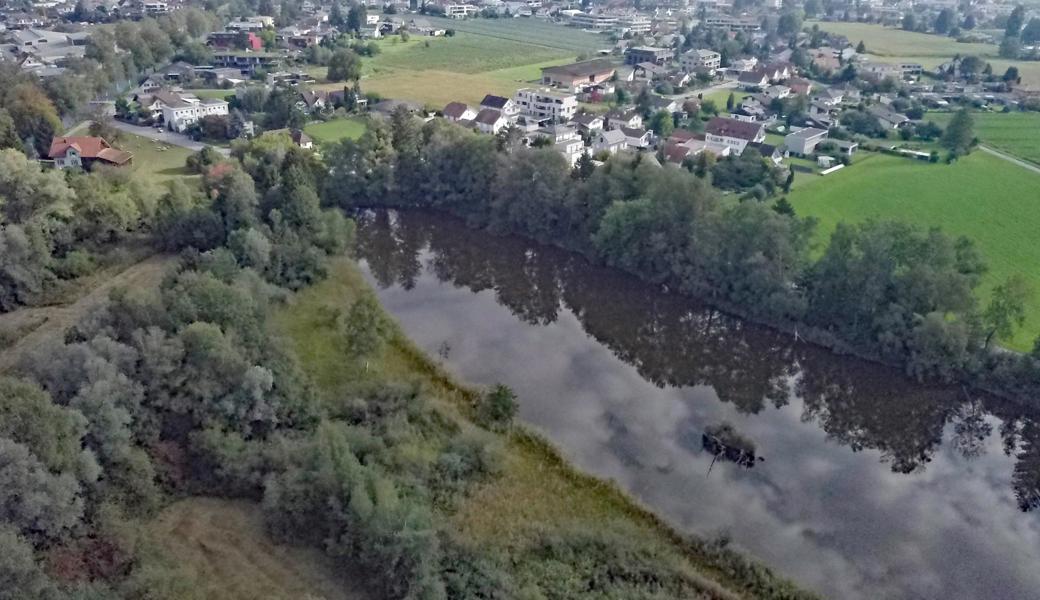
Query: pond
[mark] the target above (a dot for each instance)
(863, 484)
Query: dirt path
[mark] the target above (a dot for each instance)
(49, 323)
(1011, 159)
(224, 543)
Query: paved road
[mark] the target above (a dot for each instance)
(1011, 159)
(167, 137)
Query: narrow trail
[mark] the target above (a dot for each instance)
(1011, 159)
(57, 319)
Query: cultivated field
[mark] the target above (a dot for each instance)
(993, 202)
(485, 56)
(890, 44)
(335, 130)
(1016, 133)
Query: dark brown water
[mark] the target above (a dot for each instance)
(872, 486)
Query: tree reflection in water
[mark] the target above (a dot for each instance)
(675, 341)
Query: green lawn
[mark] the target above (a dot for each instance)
(335, 130)
(154, 160)
(890, 44)
(1016, 133)
(213, 93)
(989, 200)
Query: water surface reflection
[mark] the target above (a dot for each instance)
(873, 486)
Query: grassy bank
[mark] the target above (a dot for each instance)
(989, 200)
(536, 491)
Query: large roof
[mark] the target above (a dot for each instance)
(494, 101)
(455, 110)
(581, 69)
(488, 116)
(733, 128)
(88, 147)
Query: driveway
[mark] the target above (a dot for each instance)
(167, 137)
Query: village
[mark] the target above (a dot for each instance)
(805, 94)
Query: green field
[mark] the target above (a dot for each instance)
(154, 160)
(335, 130)
(213, 93)
(993, 202)
(1016, 133)
(889, 44)
(486, 56)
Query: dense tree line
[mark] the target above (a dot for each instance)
(884, 290)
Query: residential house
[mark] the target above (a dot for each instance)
(460, 11)
(804, 141)
(743, 64)
(878, 71)
(650, 71)
(542, 104)
(617, 119)
(887, 117)
(301, 139)
(241, 40)
(246, 62)
(800, 86)
(769, 152)
(597, 21)
(828, 97)
(312, 101)
(565, 140)
(180, 110)
(647, 54)
(776, 92)
(753, 80)
(669, 105)
(700, 60)
(733, 134)
(83, 152)
(637, 138)
(611, 141)
(588, 122)
(506, 106)
(458, 111)
(578, 77)
(490, 121)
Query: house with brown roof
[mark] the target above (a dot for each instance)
(733, 134)
(577, 77)
(489, 120)
(458, 111)
(83, 152)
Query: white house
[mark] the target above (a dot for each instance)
(490, 121)
(734, 134)
(458, 111)
(611, 141)
(503, 105)
(804, 141)
(180, 111)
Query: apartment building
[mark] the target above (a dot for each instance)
(544, 104)
(700, 60)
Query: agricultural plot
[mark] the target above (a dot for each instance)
(1016, 133)
(985, 198)
(485, 56)
(889, 44)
